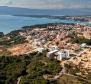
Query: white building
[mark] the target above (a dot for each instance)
(63, 54)
(52, 51)
(49, 54)
(66, 54)
(59, 55)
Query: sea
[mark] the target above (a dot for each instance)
(9, 23)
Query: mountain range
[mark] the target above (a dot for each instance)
(54, 12)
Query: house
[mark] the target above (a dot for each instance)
(53, 48)
(36, 43)
(83, 45)
(1, 48)
(40, 50)
(87, 34)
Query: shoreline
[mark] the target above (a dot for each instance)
(27, 22)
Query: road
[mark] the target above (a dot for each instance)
(63, 71)
(18, 80)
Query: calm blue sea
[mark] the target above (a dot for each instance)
(9, 23)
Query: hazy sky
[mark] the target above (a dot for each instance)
(46, 4)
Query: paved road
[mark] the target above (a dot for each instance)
(18, 80)
(63, 71)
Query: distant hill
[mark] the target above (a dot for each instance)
(26, 11)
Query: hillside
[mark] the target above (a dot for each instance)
(61, 12)
(46, 54)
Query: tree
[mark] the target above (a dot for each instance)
(1, 34)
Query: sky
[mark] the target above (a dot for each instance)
(47, 4)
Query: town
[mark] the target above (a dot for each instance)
(66, 43)
(61, 40)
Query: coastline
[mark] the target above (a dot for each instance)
(19, 21)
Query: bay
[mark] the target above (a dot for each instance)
(9, 23)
